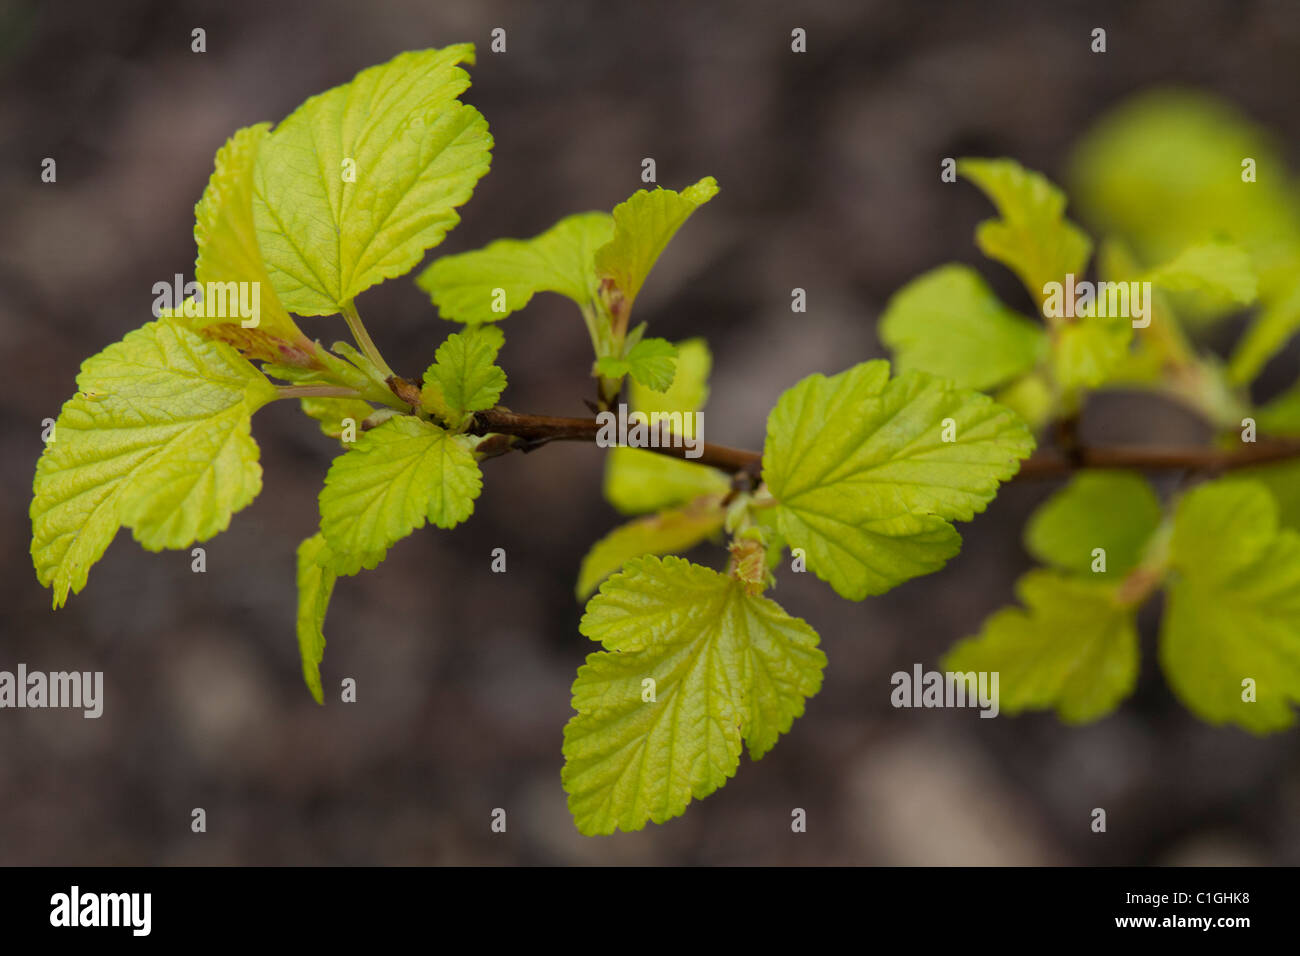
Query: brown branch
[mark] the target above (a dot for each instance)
(1158, 458)
(537, 430)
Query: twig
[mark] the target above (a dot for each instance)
(537, 430)
(1158, 458)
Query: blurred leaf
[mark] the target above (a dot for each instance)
(1073, 647)
(668, 532)
(1113, 510)
(1233, 611)
(1219, 271)
(1032, 238)
(949, 323)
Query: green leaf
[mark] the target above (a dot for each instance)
(948, 322)
(643, 227)
(416, 152)
(228, 253)
(465, 287)
(668, 532)
(690, 386)
(315, 586)
(1276, 323)
(1282, 479)
(651, 362)
(157, 439)
(394, 478)
(1164, 170)
(1087, 350)
(1033, 238)
(1113, 510)
(1281, 416)
(1233, 610)
(1219, 271)
(866, 483)
(465, 368)
(1030, 397)
(638, 481)
(1073, 647)
(331, 412)
(726, 667)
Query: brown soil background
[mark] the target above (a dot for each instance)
(828, 165)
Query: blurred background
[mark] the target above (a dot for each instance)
(828, 164)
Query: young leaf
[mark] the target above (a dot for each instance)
(1281, 416)
(1282, 479)
(639, 481)
(1033, 238)
(868, 472)
(643, 226)
(692, 667)
(690, 386)
(157, 439)
(1074, 647)
(1233, 611)
(1164, 170)
(331, 413)
(490, 283)
(1266, 336)
(465, 368)
(1113, 510)
(315, 586)
(1219, 271)
(650, 362)
(948, 322)
(358, 182)
(1030, 397)
(668, 532)
(394, 478)
(1087, 350)
(228, 253)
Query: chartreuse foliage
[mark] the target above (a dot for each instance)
(725, 668)
(1195, 200)
(865, 481)
(1230, 638)
(157, 439)
(599, 261)
(861, 478)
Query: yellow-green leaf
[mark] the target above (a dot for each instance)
(157, 439)
(490, 283)
(692, 667)
(361, 180)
